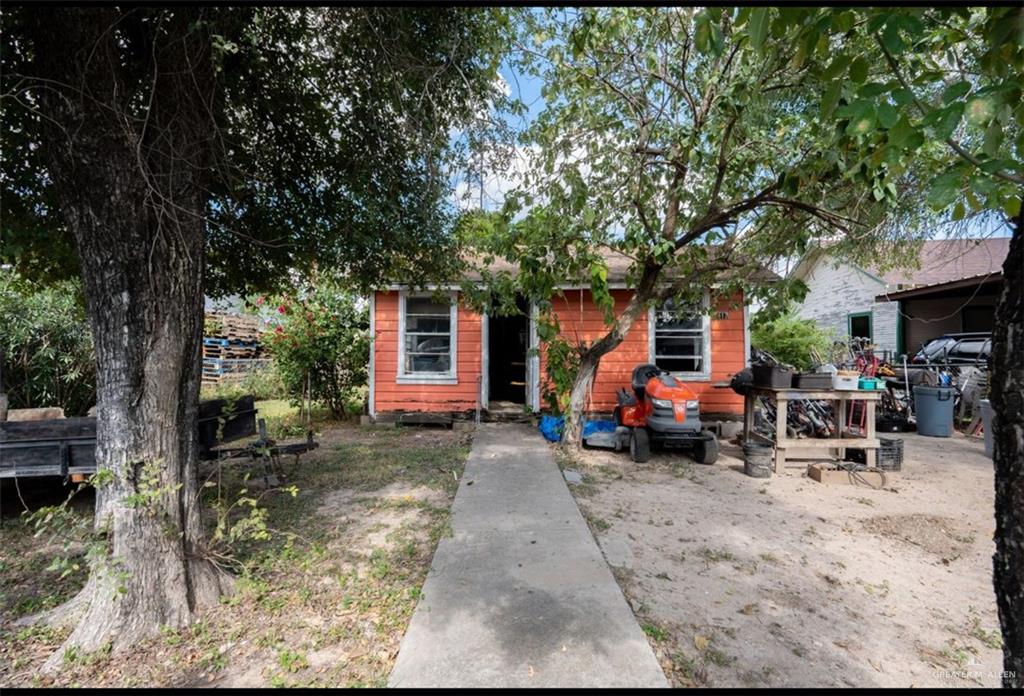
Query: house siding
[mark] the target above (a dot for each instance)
(580, 319)
(834, 292)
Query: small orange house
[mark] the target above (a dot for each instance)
(442, 358)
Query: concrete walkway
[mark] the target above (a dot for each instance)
(520, 595)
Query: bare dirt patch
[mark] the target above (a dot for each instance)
(324, 601)
(787, 582)
(942, 536)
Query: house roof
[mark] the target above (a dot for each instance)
(618, 268)
(946, 260)
(940, 261)
(967, 284)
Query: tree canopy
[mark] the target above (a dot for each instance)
(331, 144)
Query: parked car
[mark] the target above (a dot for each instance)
(956, 349)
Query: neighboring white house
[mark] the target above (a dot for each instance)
(851, 300)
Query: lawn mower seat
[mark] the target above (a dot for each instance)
(641, 375)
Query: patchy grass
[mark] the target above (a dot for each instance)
(324, 601)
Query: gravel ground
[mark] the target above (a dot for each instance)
(787, 582)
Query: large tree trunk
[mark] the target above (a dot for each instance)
(1007, 396)
(130, 183)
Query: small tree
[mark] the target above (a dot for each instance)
(690, 141)
(321, 346)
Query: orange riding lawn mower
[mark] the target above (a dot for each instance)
(661, 412)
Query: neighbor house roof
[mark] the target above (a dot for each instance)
(618, 267)
(940, 261)
(945, 260)
(933, 289)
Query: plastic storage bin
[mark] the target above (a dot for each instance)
(934, 409)
(845, 382)
(772, 376)
(812, 380)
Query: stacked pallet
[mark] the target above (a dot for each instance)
(231, 347)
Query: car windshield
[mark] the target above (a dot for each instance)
(936, 347)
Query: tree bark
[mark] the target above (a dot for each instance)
(130, 183)
(1007, 397)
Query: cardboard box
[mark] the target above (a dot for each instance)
(823, 474)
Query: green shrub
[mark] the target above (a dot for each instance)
(792, 339)
(323, 338)
(46, 350)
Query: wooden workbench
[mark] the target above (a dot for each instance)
(811, 447)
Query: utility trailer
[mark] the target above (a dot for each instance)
(66, 447)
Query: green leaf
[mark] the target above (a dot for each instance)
(702, 34)
(757, 26)
(891, 38)
(902, 97)
(830, 98)
(836, 67)
(887, 115)
(955, 91)
(872, 89)
(943, 190)
(901, 133)
(859, 70)
(993, 139)
(949, 120)
(1012, 206)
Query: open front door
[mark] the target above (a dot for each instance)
(508, 369)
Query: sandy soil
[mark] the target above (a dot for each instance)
(787, 582)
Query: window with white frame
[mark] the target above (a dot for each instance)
(680, 339)
(426, 338)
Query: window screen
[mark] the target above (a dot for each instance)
(428, 336)
(680, 338)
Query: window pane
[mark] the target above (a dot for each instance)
(427, 363)
(678, 320)
(420, 324)
(679, 337)
(671, 346)
(415, 343)
(424, 305)
(428, 340)
(680, 364)
(860, 327)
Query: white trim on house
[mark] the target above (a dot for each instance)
(746, 332)
(533, 364)
(450, 377)
(485, 361)
(705, 374)
(372, 405)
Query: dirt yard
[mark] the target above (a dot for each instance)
(787, 582)
(324, 601)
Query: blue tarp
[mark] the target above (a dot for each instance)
(551, 427)
(597, 426)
